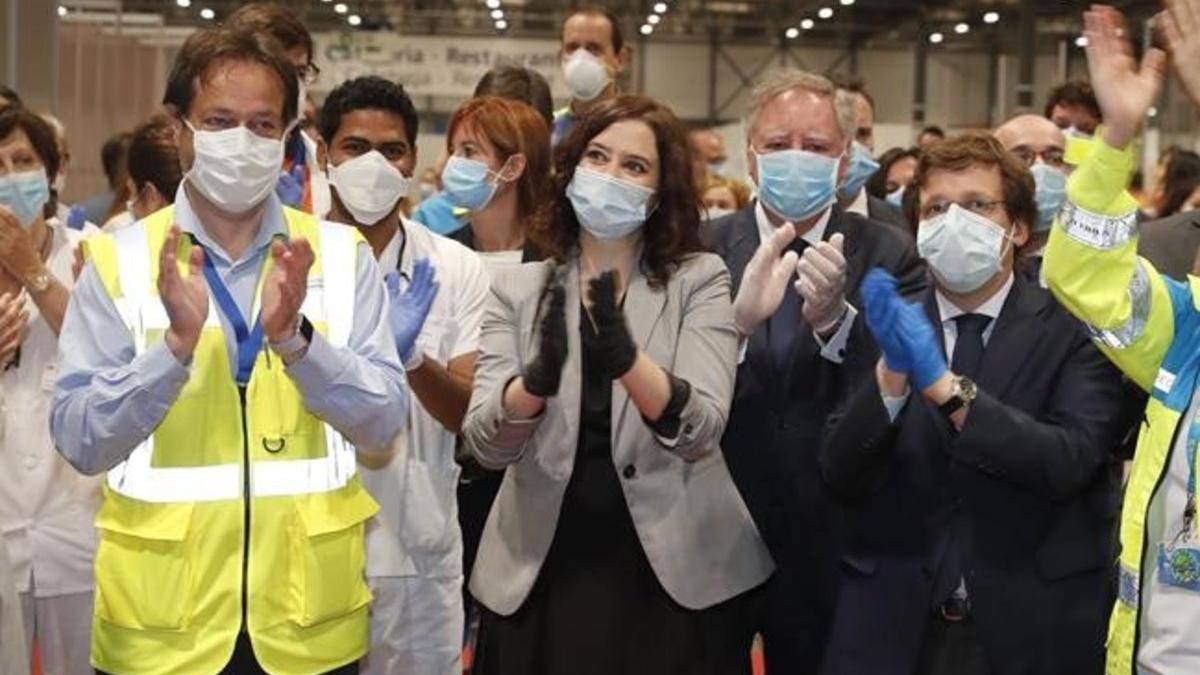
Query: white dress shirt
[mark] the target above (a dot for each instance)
(859, 205)
(47, 509)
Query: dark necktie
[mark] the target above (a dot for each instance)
(968, 354)
(968, 346)
(784, 324)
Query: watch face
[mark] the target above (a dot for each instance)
(967, 389)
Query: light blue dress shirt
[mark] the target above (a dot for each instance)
(108, 399)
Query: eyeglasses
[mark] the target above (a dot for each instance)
(983, 207)
(1053, 157)
(308, 73)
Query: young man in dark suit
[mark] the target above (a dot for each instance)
(977, 461)
(796, 259)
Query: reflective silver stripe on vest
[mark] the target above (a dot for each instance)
(1126, 334)
(329, 299)
(1098, 231)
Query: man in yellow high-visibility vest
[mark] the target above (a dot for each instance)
(218, 359)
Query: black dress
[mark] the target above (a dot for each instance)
(597, 607)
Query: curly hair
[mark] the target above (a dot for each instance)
(672, 231)
(368, 92)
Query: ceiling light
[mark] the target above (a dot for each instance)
(792, 33)
(962, 28)
(341, 8)
(936, 38)
(660, 8)
(646, 29)
(493, 4)
(1152, 112)
(497, 14)
(807, 24)
(847, 3)
(653, 19)
(207, 13)
(184, 3)
(354, 20)
(1081, 41)
(991, 17)
(501, 24)
(62, 11)
(825, 12)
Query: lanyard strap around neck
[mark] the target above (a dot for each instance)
(249, 340)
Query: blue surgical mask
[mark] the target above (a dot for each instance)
(25, 194)
(716, 168)
(964, 249)
(896, 197)
(862, 167)
(465, 183)
(797, 184)
(1051, 193)
(608, 207)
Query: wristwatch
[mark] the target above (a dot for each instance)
(290, 348)
(960, 397)
(38, 282)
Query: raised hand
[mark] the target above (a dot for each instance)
(765, 280)
(822, 284)
(1180, 26)
(616, 346)
(14, 321)
(18, 255)
(185, 299)
(882, 302)
(285, 288)
(410, 307)
(543, 373)
(1124, 90)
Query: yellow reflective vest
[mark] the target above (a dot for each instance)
(1149, 326)
(241, 511)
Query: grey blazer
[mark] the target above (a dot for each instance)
(693, 524)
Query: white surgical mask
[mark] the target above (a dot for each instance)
(234, 168)
(369, 186)
(962, 247)
(608, 207)
(585, 75)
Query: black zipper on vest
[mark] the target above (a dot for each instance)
(245, 513)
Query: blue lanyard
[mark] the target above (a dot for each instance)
(249, 341)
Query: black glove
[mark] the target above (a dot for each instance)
(543, 374)
(615, 344)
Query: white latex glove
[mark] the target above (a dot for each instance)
(822, 284)
(765, 280)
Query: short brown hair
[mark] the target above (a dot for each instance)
(512, 127)
(275, 20)
(41, 137)
(618, 38)
(1075, 92)
(970, 149)
(519, 84)
(206, 49)
(154, 157)
(672, 231)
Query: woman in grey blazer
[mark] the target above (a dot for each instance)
(618, 542)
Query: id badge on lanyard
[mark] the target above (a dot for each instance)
(1179, 558)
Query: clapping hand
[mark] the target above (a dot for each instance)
(410, 307)
(822, 284)
(543, 372)
(616, 346)
(765, 280)
(285, 288)
(904, 334)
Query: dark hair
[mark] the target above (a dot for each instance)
(673, 230)
(512, 127)
(933, 130)
(154, 157)
(41, 137)
(618, 38)
(1183, 176)
(206, 49)
(971, 149)
(519, 84)
(1076, 92)
(854, 84)
(113, 157)
(9, 94)
(368, 92)
(275, 20)
(876, 185)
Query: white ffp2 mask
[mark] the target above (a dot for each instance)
(368, 186)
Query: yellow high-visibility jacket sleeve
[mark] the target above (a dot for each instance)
(1092, 267)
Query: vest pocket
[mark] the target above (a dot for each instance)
(144, 565)
(328, 562)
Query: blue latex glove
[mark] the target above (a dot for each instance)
(921, 344)
(410, 307)
(290, 187)
(881, 302)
